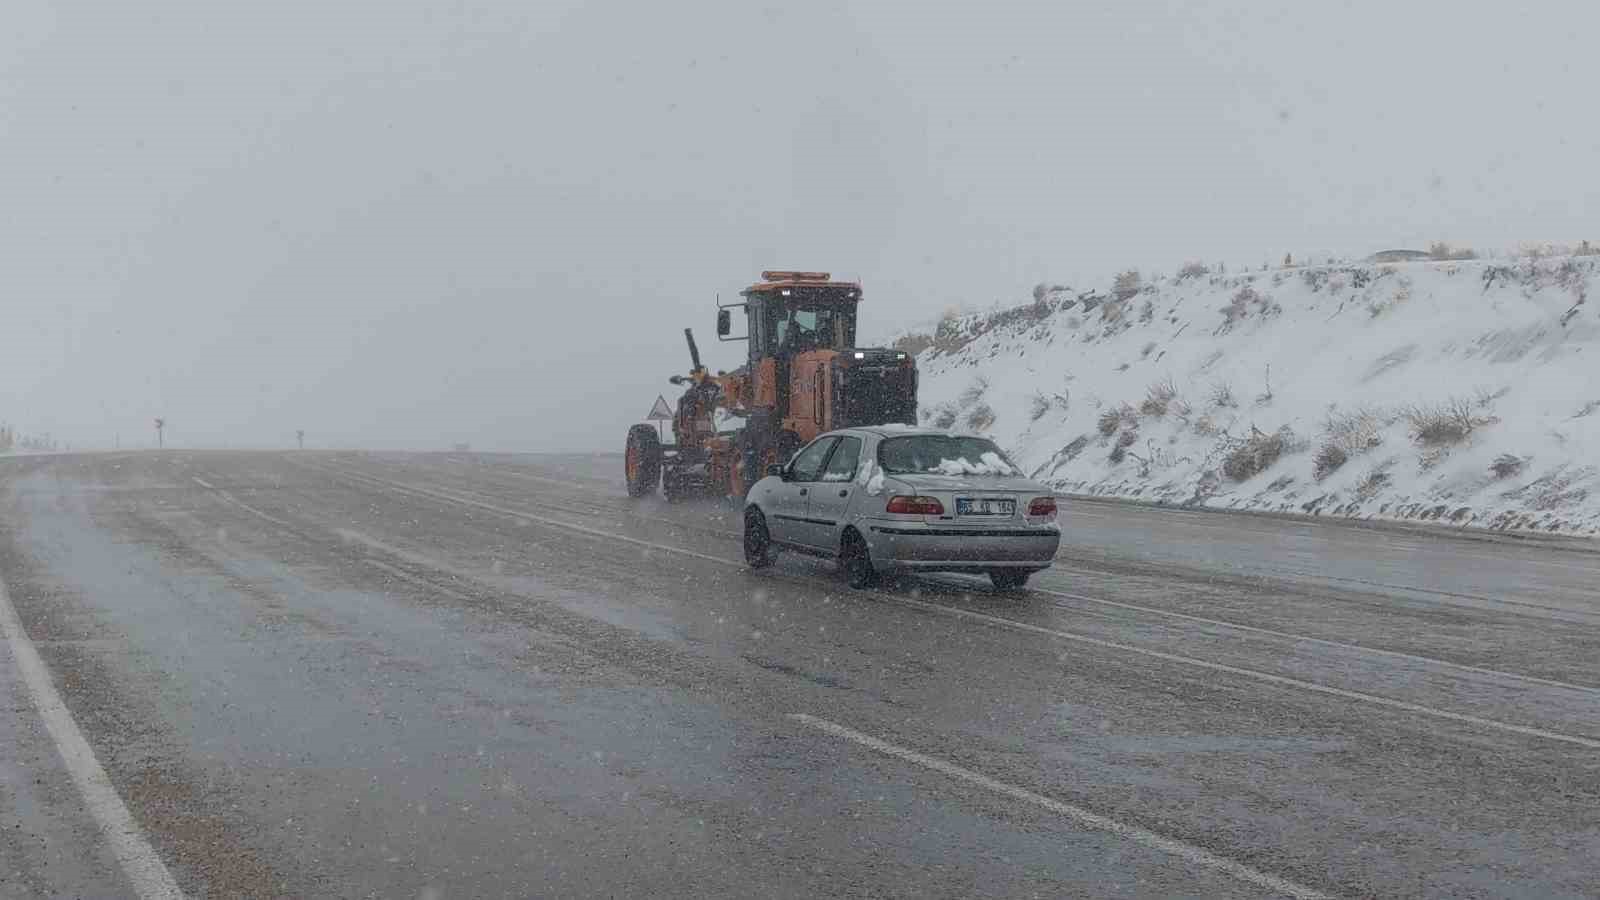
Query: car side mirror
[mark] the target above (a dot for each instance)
(778, 470)
(724, 323)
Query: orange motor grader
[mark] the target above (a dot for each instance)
(804, 376)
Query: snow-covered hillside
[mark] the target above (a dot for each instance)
(1465, 392)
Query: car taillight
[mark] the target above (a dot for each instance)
(1042, 508)
(916, 506)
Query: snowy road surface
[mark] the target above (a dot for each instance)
(352, 675)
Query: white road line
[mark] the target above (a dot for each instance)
(1283, 680)
(1002, 622)
(151, 880)
(1252, 629)
(1187, 852)
(233, 501)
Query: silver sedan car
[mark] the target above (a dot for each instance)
(895, 498)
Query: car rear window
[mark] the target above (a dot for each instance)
(939, 454)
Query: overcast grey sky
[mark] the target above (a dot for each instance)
(404, 224)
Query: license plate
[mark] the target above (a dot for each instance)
(985, 507)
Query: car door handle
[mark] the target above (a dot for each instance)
(844, 493)
(804, 491)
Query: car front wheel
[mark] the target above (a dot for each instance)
(758, 550)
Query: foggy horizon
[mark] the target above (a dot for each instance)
(395, 227)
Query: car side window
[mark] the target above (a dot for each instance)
(842, 464)
(807, 463)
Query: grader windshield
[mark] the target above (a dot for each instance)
(793, 316)
(805, 325)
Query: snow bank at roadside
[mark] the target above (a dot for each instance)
(1465, 392)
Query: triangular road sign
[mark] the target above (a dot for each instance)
(661, 410)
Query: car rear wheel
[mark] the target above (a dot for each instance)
(856, 562)
(1009, 579)
(758, 550)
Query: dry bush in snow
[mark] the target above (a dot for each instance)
(1573, 278)
(1109, 422)
(1314, 278)
(1113, 418)
(1127, 284)
(1507, 466)
(1356, 431)
(1372, 484)
(980, 417)
(1159, 397)
(1239, 308)
(1244, 301)
(1330, 458)
(949, 336)
(1193, 269)
(1381, 305)
(1348, 434)
(1124, 441)
(1257, 453)
(1442, 424)
(1044, 293)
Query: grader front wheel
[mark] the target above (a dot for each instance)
(642, 461)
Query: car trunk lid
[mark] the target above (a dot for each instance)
(976, 499)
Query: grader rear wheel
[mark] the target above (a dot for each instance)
(642, 461)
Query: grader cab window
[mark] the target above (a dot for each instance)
(814, 326)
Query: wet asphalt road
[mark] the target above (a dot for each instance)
(353, 675)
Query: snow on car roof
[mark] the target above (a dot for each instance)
(896, 428)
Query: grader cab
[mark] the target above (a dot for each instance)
(803, 376)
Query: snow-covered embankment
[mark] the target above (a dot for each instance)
(1461, 392)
